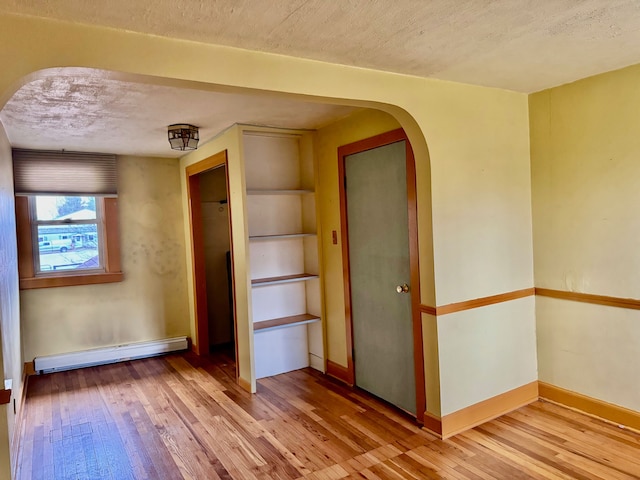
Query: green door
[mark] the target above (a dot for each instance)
(378, 234)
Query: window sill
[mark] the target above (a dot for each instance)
(70, 280)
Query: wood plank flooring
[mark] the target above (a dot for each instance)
(181, 416)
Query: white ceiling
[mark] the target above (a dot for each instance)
(520, 45)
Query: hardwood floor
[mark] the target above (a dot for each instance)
(180, 416)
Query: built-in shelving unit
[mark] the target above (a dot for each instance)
(285, 280)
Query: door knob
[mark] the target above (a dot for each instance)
(402, 288)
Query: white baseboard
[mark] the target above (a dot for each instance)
(316, 362)
(102, 356)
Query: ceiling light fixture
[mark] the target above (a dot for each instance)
(183, 136)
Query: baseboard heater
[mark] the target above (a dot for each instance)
(106, 355)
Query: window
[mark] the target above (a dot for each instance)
(66, 216)
(67, 231)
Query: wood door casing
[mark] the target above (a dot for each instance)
(361, 146)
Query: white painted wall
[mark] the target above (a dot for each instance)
(482, 229)
(590, 349)
(485, 352)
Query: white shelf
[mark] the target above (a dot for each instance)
(278, 192)
(284, 236)
(292, 321)
(302, 277)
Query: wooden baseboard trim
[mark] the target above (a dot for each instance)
(433, 424)
(489, 409)
(339, 372)
(630, 303)
(244, 384)
(593, 406)
(29, 369)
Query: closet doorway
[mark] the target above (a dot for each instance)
(216, 245)
(212, 255)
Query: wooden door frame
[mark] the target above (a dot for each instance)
(412, 207)
(201, 343)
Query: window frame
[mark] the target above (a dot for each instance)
(36, 223)
(108, 232)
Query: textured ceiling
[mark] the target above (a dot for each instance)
(89, 110)
(522, 45)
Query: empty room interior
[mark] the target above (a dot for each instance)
(319, 239)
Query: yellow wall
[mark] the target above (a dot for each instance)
(584, 154)
(356, 127)
(482, 246)
(477, 143)
(10, 345)
(151, 302)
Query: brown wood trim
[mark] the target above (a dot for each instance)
(5, 396)
(370, 143)
(112, 236)
(111, 251)
(590, 405)
(208, 163)
(414, 264)
(198, 265)
(23, 231)
(433, 424)
(484, 301)
(339, 372)
(29, 369)
(489, 409)
(629, 303)
(70, 280)
(412, 207)
(427, 309)
(349, 376)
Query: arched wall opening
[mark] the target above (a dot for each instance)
(474, 202)
(366, 122)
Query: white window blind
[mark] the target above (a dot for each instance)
(40, 172)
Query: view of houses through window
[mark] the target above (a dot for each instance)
(67, 233)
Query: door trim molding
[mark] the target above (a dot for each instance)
(343, 374)
(412, 206)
